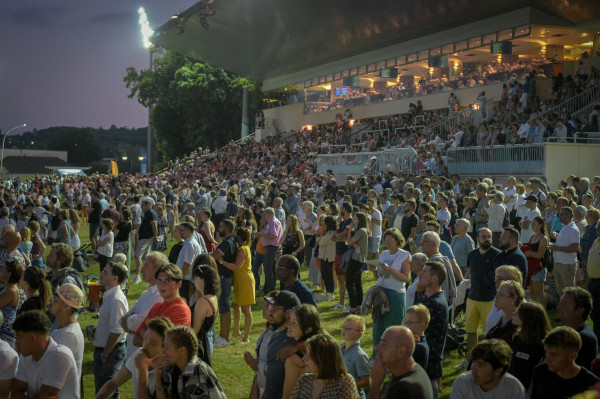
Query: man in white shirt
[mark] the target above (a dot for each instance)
(488, 377)
(565, 250)
(9, 359)
(133, 319)
(109, 338)
(510, 193)
(523, 132)
(65, 303)
(46, 369)
(495, 214)
(533, 211)
(190, 250)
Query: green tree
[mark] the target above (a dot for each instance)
(82, 145)
(192, 103)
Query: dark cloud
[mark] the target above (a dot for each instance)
(114, 18)
(36, 16)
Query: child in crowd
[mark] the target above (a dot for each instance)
(105, 246)
(26, 243)
(355, 358)
(170, 220)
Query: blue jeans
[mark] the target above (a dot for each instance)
(256, 262)
(225, 294)
(594, 289)
(103, 372)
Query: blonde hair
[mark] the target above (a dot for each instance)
(509, 273)
(422, 312)
(358, 320)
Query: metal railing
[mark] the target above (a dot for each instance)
(397, 160)
(576, 105)
(376, 133)
(345, 164)
(502, 159)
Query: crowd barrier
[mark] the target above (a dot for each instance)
(505, 159)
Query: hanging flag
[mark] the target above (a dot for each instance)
(114, 168)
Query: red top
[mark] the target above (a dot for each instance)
(177, 311)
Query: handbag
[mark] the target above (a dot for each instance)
(346, 258)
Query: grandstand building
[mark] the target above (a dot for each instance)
(317, 59)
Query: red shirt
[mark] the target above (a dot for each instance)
(177, 311)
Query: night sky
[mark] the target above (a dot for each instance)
(62, 62)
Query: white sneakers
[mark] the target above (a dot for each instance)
(463, 365)
(221, 342)
(337, 307)
(136, 280)
(347, 310)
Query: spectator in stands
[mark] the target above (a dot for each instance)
(573, 309)
(528, 350)
(186, 373)
(560, 376)
(226, 251)
(189, 252)
(431, 279)
(109, 337)
(270, 235)
(495, 212)
(462, 244)
(46, 369)
(483, 289)
(509, 296)
(511, 253)
(147, 235)
(168, 280)
(409, 379)
(287, 273)
(65, 304)
(593, 271)
(10, 362)
(133, 319)
(565, 250)
(488, 376)
(279, 306)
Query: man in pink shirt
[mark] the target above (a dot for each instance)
(271, 234)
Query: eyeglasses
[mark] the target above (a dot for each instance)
(407, 322)
(350, 329)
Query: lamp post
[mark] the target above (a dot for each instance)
(147, 32)
(3, 141)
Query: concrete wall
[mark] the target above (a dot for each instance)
(35, 153)
(564, 159)
(293, 117)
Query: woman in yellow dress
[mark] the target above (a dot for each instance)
(243, 284)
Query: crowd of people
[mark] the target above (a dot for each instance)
(520, 248)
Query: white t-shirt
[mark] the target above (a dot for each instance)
(106, 249)
(130, 366)
(512, 193)
(9, 360)
(527, 233)
(376, 229)
(86, 200)
(411, 292)
(56, 368)
(464, 387)
(444, 215)
(71, 336)
(386, 280)
(496, 217)
(136, 211)
(569, 234)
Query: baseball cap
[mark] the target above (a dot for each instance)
(70, 294)
(531, 197)
(284, 298)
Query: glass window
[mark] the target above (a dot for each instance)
(448, 48)
(434, 52)
(462, 45)
(423, 54)
(505, 35)
(412, 57)
(401, 60)
(475, 42)
(487, 39)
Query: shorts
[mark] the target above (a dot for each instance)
(337, 265)
(539, 276)
(94, 229)
(374, 244)
(476, 313)
(144, 247)
(225, 294)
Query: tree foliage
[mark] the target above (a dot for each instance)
(192, 103)
(82, 145)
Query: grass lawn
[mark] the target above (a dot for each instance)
(228, 363)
